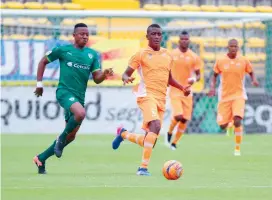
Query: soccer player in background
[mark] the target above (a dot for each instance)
(153, 64)
(231, 92)
(185, 64)
(77, 62)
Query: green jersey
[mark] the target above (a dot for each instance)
(75, 67)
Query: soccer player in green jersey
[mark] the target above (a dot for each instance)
(76, 64)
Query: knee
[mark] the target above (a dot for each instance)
(224, 126)
(155, 126)
(71, 137)
(80, 115)
(178, 118)
(183, 120)
(237, 121)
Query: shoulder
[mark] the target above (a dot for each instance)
(166, 51)
(221, 58)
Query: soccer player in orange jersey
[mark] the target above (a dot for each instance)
(153, 64)
(185, 64)
(231, 92)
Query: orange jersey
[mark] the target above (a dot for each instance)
(184, 65)
(232, 77)
(153, 68)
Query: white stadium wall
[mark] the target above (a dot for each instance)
(107, 108)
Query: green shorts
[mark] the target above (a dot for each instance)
(66, 98)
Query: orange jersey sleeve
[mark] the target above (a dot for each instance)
(135, 61)
(248, 68)
(216, 68)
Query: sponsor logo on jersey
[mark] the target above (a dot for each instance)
(72, 98)
(79, 66)
(69, 53)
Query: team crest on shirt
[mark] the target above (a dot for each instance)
(90, 55)
(238, 64)
(149, 55)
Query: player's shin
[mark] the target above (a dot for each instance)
(47, 153)
(70, 126)
(180, 131)
(149, 142)
(133, 137)
(238, 137)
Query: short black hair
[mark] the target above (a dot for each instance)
(184, 33)
(231, 40)
(80, 25)
(152, 26)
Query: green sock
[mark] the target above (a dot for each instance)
(47, 153)
(50, 151)
(70, 126)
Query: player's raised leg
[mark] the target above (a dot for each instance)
(122, 134)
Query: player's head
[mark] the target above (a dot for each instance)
(233, 47)
(81, 34)
(184, 40)
(154, 36)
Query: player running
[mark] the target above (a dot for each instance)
(153, 64)
(231, 92)
(185, 64)
(76, 64)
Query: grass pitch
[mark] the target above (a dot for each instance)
(91, 170)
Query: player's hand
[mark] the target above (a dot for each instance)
(127, 80)
(191, 81)
(187, 90)
(211, 93)
(108, 72)
(255, 83)
(39, 91)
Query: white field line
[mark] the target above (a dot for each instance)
(136, 186)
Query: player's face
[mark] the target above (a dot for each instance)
(233, 47)
(154, 37)
(184, 41)
(81, 36)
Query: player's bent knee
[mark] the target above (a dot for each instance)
(178, 118)
(237, 121)
(183, 120)
(224, 126)
(80, 115)
(155, 126)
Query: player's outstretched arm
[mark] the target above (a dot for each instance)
(212, 85)
(41, 67)
(171, 81)
(126, 77)
(99, 76)
(254, 81)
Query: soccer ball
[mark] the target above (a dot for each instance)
(172, 170)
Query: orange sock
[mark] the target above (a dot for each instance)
(180, 131)
(238, 136)
(149, 142)
(133, 137)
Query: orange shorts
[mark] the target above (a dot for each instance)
(182, 106)
(152, 109)
(228, 109)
